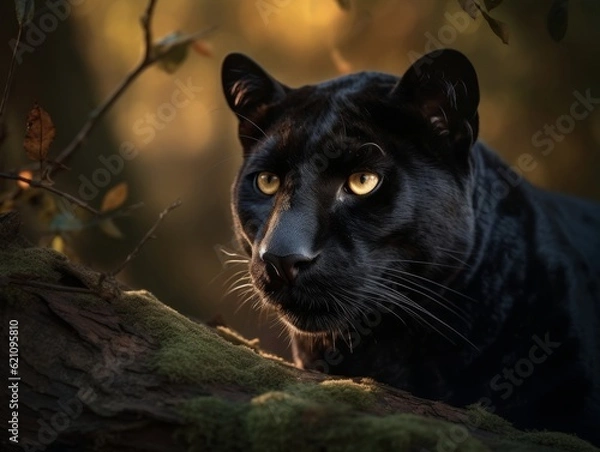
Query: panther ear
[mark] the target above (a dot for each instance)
(442, 87)
(247, 86)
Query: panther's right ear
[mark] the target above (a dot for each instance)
(247, 86)
(442, 88)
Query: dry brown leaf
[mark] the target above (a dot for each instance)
(470, 6)
(499, 28)
(491, 4)
(115, 197)
(40, 133)
(203, 48)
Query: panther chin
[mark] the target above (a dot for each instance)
(303, 316)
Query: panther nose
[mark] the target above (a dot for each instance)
(286, 268)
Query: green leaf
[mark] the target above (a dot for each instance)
(65, 222)
(491, 4)
(110, 229)
(24, 10)
(558, 19)
(173, 51)
(470, 6)
(499, 28)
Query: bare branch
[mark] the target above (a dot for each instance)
(50, 188)
(97, 113)
(150, 57)
(147, 237)
(9, 78)
(121, 212)
(146, 21)
(92, 120)
(7, 87)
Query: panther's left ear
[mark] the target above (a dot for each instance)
(247, 86)
(442, 87)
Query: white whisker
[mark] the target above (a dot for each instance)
(431, 281)
(237, 288)
(448, 305)
(434, 264)
(236, 261)
(402, 302)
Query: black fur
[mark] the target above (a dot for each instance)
(454, 279)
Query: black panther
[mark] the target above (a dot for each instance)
(392, 244)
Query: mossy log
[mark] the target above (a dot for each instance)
(104, 368)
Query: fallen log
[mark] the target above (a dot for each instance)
(103, 368)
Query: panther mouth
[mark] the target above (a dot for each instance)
(313, 323)
(311, 302)
(308, 313)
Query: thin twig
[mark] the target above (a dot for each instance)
(121, 212)
(146, 21)
(97, 113)
(50, 188)
(92, 120)
(150, 57)
(9, 78)
(147, 237)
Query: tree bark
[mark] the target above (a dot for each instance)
(93, 374)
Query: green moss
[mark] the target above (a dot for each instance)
(557, 440)
(518, 440)
(329, 416)
(281, 420)
(191, 352)
(275, 420)
(31, 263)
(27, 264)
(480, 418)
(326, 416)
(215, 425)
(188, 351)
(360, 396)
(237, 339)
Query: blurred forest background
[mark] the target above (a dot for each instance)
(195, 154)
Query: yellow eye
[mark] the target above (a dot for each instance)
(268, 183)
(363, 183)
